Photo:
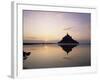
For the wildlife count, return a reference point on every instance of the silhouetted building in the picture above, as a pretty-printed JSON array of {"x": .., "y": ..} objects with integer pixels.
[{"x": 68, "y": 39}]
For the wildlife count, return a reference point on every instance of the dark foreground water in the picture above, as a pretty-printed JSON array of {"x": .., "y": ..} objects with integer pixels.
[{"x": 53, "y": 55}]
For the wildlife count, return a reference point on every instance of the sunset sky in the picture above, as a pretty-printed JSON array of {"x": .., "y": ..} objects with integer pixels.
[{"x": 47, "y": 26}]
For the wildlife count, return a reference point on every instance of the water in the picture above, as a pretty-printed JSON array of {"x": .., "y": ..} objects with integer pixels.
[{"x": 53, "y": 56}]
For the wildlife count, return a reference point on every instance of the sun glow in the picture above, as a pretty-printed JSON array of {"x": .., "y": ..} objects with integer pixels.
[
  {"x": 45, "y": 47},
  {"x": 46, "y": 40}
]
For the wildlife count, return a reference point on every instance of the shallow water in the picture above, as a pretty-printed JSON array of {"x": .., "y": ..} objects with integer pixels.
[{"x": 53, "y": 55}]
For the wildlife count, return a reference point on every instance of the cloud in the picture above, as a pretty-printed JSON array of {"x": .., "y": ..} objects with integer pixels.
[{"x": 68, "y": 28}]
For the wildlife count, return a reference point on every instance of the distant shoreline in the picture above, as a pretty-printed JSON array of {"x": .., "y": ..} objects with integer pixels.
[
  {"x": 37, "y": 43},
  {"x": 57, "y": 43}
]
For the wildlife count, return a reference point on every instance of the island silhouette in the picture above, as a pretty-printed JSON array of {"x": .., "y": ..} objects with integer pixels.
[
  {"x": 67, "y": 39},
  {"x": 67, "y": 43}
]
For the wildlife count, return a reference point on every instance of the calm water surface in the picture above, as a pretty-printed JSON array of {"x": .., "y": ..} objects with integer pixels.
[{"x": 53, "y": 55}]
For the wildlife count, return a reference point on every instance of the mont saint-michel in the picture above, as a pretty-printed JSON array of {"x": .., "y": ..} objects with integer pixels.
[{"x": 46, "y": 44}]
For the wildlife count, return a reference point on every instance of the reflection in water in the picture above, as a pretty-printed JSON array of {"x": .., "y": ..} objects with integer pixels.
[
  {"x": 68, "y": 48},
  {"x": 52, "y": 56}
]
